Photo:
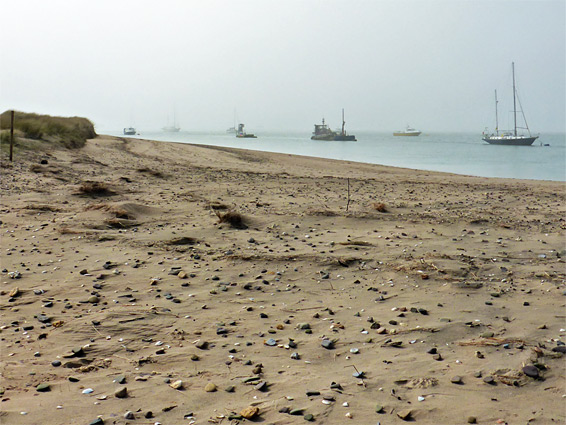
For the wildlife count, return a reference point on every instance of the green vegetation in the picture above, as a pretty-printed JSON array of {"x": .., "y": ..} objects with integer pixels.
[{"x": 44, "y": 130}]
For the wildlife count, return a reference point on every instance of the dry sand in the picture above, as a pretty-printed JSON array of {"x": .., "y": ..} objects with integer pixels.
[{"x": 143, "y": 284}]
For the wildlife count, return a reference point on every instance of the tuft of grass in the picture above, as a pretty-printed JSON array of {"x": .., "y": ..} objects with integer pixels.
[
  {"x": 379, "y": 207},
  {"x": 234, "y": 219},
  {"x": 154, "y": 173},
  {"x": 92, "y": 188},
  {"x": 71, "y": 132}
]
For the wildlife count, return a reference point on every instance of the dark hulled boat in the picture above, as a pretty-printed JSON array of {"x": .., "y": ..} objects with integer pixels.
[{"x": 323, "y": 132}]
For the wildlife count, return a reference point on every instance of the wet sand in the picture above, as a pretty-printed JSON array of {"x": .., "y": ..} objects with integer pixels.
[{"x": 138, "y": 264}]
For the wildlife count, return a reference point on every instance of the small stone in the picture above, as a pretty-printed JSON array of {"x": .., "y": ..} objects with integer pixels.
[
  {"x": 230, "y": 389},
  {"x": 14, "y": 292},
  {"x": 177, "y": 385},
  {"x": 531, "y": 371},
  {"x": 120, "y": 379},
  {"x": 56, "y": 363},
  {"x": 309, "y": 417},
  {"x": 312, "y": 393},
  {"x": 250, "y": 412},
  {"x": 328, "y": 344},
  {"x": 487, "y": 335},
  {"x": 472, "y": 420},
  {"x": 202, "y": 345},
  {"x": 296, "y": 412},
  {"x": 210, "y": 387},
  {"x": 379, "y": 409},
  {"x": 271, "y": 342},
  {"x": 261, "y": 386},
  {"x": 456, "y": 380},
  {"x": 405, "y": 414},
  {"x": 295, "y": 356},
  {"x": 489, "y": 380},
  {"x": 42, "y": 388},
  {"x": 97, "y": 421},
  {"x": 129, "y": 415},
  {"x": 559, "y": 349},
  {"x": 94, "y": 299},
  {"x": 121, "y": 392}
]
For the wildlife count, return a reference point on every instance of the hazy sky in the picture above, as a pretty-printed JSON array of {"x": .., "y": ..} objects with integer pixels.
[{"x": 284, "y": 64}]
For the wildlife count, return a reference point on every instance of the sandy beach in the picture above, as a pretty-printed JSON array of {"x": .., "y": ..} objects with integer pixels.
[{"x": 147, "y": 282}]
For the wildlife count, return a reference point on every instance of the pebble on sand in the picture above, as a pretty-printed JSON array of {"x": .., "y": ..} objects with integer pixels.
[
  {"x": 210, "y": 388},
  {"x": 121, "y": 392},
  {"x": 250, "y": 412}
]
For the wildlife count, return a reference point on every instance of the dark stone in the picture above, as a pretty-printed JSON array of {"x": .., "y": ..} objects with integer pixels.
[
  {"x": 328, "y": 344},
  {"x": 531, "y": 371}
]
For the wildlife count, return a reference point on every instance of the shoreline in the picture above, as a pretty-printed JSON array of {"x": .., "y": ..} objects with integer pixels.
[
  {"x": 381, "y": 151},
  {"x": 208, "y": 280}
]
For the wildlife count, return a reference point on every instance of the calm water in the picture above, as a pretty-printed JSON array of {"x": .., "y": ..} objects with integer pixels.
[{"x": 455, "y": 153}]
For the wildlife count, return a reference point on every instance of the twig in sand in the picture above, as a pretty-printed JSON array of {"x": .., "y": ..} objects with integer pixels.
[{"x": 493, "y": 342}]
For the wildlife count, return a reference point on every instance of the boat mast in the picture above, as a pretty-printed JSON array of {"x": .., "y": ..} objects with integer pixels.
[
  {"x": 496, "y": 116},
  {"x": 343, "y": 122},
  {"x": 514, "y": 99}
]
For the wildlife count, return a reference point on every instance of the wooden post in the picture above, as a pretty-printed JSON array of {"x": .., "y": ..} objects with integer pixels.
[
  {"x": 348, "y": 204},
  {"x": 11, "y": 135}
]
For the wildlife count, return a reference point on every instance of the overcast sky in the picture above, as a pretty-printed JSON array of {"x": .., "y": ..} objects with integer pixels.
[{"x": 284, "y": 64}]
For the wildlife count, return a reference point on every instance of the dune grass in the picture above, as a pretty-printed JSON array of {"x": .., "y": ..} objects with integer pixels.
[{"x": 35, "y": 131}]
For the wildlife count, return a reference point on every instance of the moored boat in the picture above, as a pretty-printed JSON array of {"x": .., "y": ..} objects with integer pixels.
[
  {"x": 243, "y": 135},
  {"x": 129, "y": 131},
  {"x": 343, "y": 136},
  {"x": 510, "y": 138},
  {"x": 323, "y": 132},
  {"x": 409, "y": 131}
]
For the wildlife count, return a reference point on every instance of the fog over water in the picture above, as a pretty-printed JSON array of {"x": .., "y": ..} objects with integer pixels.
[{"x": 283, "y": 65}]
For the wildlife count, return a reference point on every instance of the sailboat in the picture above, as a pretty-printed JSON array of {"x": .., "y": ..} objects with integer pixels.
[
  {"x": 233, "y": 128},
  {"x": 510, "y": 138},
  {"x": 172, "y": 128},
  {"x": 342, "y": 136}
]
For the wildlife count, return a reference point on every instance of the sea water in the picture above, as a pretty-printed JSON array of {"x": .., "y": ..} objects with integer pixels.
[{"x": 460, "y": 153}]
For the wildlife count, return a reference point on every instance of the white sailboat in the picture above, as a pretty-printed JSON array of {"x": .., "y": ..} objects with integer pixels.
[
  {"x": 510, "y": 137},
  {"x": 172, "y": 128}
]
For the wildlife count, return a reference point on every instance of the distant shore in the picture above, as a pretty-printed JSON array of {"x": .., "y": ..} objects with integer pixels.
[{"x": 149, "y": 281}]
